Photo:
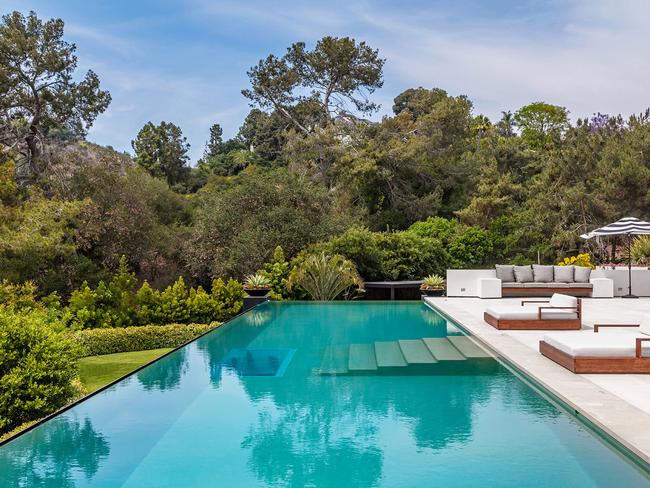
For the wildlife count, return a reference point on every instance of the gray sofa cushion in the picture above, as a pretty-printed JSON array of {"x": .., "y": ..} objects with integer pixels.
[
  {"x": 581, "y": 274},
  {"x": 545, "y": 285},
  {"x": 512, "y": 284},
  {"x": 580, "y": 285},
  {"x": 563, "y": 274},
  {"x": 505, "y": 272},
  {"x": 542, "y": 274},
  {"x": 523, "y": 274}
]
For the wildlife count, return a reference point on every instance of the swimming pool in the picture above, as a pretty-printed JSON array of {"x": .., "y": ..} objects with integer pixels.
[{"x": 318, "y": 395}]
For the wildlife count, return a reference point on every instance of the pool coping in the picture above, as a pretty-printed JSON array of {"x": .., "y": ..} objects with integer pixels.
[{"x": 607, "y": 412}]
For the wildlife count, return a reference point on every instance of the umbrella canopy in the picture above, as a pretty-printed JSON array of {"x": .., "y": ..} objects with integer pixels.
[
  {"x": 629, "y": 226},
  {"x": 625, "y": 226}
]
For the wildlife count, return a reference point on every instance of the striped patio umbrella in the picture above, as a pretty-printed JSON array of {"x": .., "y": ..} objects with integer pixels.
[{"x": 629, "y": 226}]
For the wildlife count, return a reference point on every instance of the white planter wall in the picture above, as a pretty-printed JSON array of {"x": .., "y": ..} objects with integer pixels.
[
  {"x": 464, "y": 282},
  {"x": 640, "y": 280}
]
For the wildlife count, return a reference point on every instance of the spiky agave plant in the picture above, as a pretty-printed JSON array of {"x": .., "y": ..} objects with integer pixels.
[
  {"x": 434, "y": 282},
  {"x": 325, "y": 277},
  {"x": 257, "y": 281}
]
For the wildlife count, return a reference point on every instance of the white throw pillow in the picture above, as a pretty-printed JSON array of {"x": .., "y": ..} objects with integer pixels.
[{"x": 560, "y": 300}]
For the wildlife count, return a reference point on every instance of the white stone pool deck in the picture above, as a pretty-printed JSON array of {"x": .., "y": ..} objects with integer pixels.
[{"x": 619, "y": 404}]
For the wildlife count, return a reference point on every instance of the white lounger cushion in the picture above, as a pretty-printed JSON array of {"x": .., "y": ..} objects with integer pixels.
[
  {"x": 560, "y": 300},
  {"x": 644, "y": 328},
  {"x": 583, "y": 344},
  {"x": 530, "y": 312}
]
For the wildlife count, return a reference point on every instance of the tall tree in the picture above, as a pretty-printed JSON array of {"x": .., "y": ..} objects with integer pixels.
[
  {"x": 336, "y": 73},
  {"x": 38, "y": 96},
  {"x": 540, "y": 122},
  {"x": 506, "y": 126},
  {"x": 162, "y": 151},
  {"x": 417, "y": 101},
  {"x": 264, "y": 133},
  {"x": 215, "y": 143}
]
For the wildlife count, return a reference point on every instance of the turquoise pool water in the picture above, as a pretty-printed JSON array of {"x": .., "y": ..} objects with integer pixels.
[{"x": 318, "y": 395}]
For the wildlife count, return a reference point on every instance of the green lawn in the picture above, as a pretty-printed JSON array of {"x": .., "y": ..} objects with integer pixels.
[{"x": 97, "y": 371}]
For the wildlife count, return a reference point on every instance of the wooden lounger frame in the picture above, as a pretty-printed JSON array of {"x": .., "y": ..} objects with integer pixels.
[
  {"x": 595, "y": 364},
  {"x": 540, "y": 323}
]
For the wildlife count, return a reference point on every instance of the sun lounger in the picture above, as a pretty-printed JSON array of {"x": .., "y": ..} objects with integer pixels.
[
  {"x": 561, "y": 312},
  {"x": 601, "y": 352}
]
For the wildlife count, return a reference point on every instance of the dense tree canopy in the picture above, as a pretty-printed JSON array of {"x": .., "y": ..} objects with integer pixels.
[
  {"x": 435, "y": 184},
  {"x": 539, "y": 122},
  {"x": 237, "y": 227},
  {"x": 39, "y": 100},
  {"x": 318, "y": 84},
  {"x": 162, "y": 151}
]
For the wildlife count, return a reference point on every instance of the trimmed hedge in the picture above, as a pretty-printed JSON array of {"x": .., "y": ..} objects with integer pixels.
[{"x": 139, "y": 338}]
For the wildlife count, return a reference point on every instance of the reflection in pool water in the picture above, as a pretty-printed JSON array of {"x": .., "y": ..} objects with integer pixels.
[
  {"x": 195, "y": 418},
  {"x": 56, "y": 456}
]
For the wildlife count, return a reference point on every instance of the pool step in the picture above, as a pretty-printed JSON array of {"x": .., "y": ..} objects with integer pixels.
[
  {"x": 416, "y": 352},
  {"x": 335, "y": 360},
  {"x": 468, "y": 348},
  {"x": 389, "y": 355},
  {"x": 362, "y": 357},
  {"x": 443, "y": 350},
  {"x": 398, "y": 357}
]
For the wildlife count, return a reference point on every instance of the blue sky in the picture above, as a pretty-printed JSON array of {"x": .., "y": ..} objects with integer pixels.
[{"x": 185, "y": 61}]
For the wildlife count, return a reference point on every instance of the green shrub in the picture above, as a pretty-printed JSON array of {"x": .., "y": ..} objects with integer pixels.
[
  {"x": 94, "y": 342},
  {"x": 436, "y": 228},
  {"x": 18, "y": 296},
  {"x": 361, "y": 246},
  {"x": 277, "y": 271},
  {"x": 173, "y": 303},
  {"x": 389, "y": 255},
  {"x": 177, "y": 304},
  {"x": 407, "y": 256},
  {"x": 24, "y": 296},
  {"x": 37, "y": 367},
  {"x": 229, "y": 298},
  {"x": 471, "y": 247},
  {"x": 107, "y": 305},
  {"x": 118, "y": 304}
]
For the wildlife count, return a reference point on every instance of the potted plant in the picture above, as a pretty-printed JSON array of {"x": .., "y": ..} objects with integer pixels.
[
  {"x": 433, "y": 285},
  {"x": 257, "y": 285}
]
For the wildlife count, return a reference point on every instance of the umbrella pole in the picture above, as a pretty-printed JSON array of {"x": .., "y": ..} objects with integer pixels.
[{"x": 629, "y": 268}]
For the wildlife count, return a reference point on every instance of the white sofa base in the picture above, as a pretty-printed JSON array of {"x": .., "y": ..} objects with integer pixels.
[
  {"x": 602, "y": 288},
  {"x": 489, "y": 288}
]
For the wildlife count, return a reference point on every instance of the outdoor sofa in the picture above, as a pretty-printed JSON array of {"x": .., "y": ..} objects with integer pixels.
[
  {"x": 540, "y": 280},
  {"x": 612, "y": 351},
  {"x": 561, "y": 312}
]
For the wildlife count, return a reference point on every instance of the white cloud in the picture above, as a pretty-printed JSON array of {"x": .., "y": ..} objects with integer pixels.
[
  {"x": 596, "y": 62},
  {"x": 588, "y": 55}
]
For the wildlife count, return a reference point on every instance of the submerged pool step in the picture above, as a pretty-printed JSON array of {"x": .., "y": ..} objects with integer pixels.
[
  {"x": 443, "y": 350},
  {"x": 468, "y": 348},
  {"x": 405, "y": 356},
  {"x": 362, "y": 357},
  {"x": 389, "y": 355},
  {"x": 335, "y": 360},
  {"x": 416, "y": 352}
]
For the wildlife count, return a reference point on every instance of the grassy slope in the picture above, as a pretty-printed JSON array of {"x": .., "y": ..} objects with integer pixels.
[{"x": 97, "y": 371}]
